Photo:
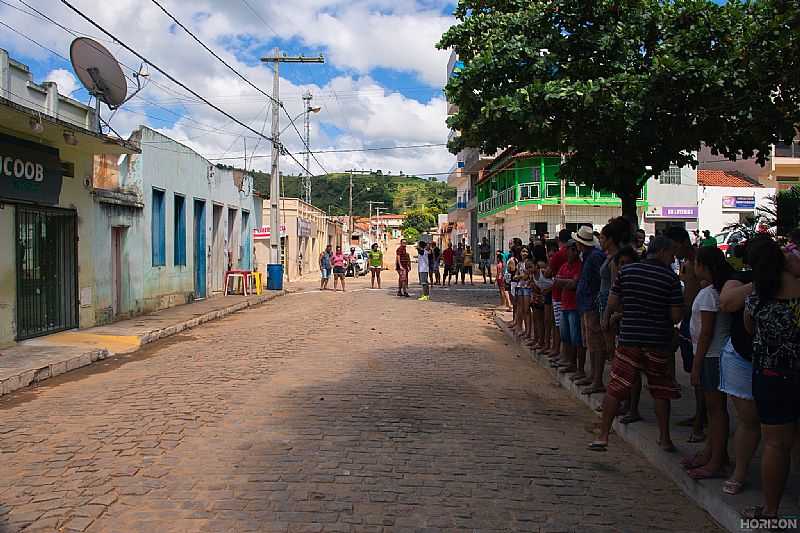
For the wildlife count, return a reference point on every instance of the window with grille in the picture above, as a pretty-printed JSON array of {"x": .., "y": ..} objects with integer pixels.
[
  {"x": 671, "y": 176},
  {"x": 528, "y": 191}
]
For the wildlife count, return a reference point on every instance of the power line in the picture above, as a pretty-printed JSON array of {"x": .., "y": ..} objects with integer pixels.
[
  {"x": 210, "y": 51},
  {"x": 247, "y": 81},
  {"x": 257, "y": 14},
  {"x": 353, "y": 150}
]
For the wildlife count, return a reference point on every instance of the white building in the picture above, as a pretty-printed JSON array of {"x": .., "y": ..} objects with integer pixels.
[
  {"x": 727, "y": 197},
  {"x": 671, "y": 201}
]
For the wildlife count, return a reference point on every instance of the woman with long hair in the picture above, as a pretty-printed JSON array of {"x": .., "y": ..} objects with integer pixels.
[
  {"x": 736, "y": 373},
  {"x": 710, "y": 330},
  {"x": 772, "y": 315},
  {"x": 524, "y": 277},
  {"x": 505, "y": 299}
]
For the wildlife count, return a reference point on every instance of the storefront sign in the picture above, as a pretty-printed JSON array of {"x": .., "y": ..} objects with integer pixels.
[
  {"x": 29, "y": 171},
  {"x": 679, "y": 212},
  {"x": 303, "y": 227},
  {"x": 264, "y": 233},
  {"x": 739, "y": 202}
]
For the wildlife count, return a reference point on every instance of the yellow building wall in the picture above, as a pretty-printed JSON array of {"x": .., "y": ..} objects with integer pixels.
[{"x": 8, "y": 279}]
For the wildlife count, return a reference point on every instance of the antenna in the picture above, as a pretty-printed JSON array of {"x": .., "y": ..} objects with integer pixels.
[{"x": 101, "y": 74}]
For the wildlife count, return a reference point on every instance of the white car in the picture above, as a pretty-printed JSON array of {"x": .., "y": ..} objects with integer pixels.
[{"x": 359, "y": 263}]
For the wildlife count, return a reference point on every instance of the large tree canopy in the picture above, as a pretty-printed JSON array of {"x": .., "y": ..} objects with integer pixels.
[{"x": 626, "y": 87}]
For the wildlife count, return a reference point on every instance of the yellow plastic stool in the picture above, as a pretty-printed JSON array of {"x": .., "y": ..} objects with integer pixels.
[{"x": 254, "y": 281}]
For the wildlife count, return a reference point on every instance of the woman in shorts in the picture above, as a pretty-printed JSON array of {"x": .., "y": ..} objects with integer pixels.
[{"x": 339, "y": 267}]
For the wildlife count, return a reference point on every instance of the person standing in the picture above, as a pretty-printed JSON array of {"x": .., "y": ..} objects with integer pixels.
[
  {"x": 467, "y": 268},
  {"x": 402, "y": 264},
  {"x": 555, "y": 263},
  {"x": 707, "y": 240},
  {"x": 639, "y": 244},
  {"x": 325, "y": 267},
  {"x": 685, "y": 252},
  {"x": 649, "y": 296},
  {"x": 710, "y": 330},
  {"x": 424, "y": 269},
  {"x": 437, "y": 259},
  {"x": 339, "y": 262},
  {"x": 588, "y": 291},
  {"x": 772, "y": 316},
  {"x": 458, "y": 259},
  {"x": 448, "y": 258},
  {"x": 505, "y": 299},
  {"x": 375, "y": 257},
  {"x": 485, "y": 257},
  {"x": 567, "y": 281}
]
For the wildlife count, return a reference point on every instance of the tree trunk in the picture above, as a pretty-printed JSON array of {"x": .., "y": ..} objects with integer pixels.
[{"x": 629, "y": 213}]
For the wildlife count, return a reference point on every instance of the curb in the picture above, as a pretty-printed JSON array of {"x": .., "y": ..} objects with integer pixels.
[
  {"x": 37, "y": 375},
  {"x": 710, "y": 500}
]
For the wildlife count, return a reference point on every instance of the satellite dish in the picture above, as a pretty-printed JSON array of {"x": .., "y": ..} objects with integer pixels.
[{"x": 98, "y": 71}]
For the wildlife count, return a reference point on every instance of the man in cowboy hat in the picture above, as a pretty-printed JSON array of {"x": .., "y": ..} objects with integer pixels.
[{"x": 588, "y": 291}]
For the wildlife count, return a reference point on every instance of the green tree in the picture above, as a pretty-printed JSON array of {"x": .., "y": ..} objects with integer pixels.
[
  {"x": 625, "y": 87},
  {"x": 419, "y": 220},
  {"x": 411, "y": 234}
]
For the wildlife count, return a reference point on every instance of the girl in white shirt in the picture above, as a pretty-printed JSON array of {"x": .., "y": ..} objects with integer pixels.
[{"x": 710, "y": 330}]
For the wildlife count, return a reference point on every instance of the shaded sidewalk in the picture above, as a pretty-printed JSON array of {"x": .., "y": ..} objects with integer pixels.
[
  {"x": 41, "y": 358},
  {"x": 643, "y": 436}
]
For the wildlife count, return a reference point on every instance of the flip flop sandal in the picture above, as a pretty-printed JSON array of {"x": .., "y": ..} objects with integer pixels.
[
  {"x": 567, "y": 370},
  {"x": 629, "y": 419},
  {"x": 696, "y": 438},
  {"x": 577, "y": 376},
  {"x": 593, "y": 390},
  {"x": 598, "y": 446},
  {"x": 686, "y": 423},
  {"x": 583, "y": 381},
  {"x": 703, "y": 473},
  {"x": 669, "y": 449},
  {"x": 732, "y": 487},
  {"x": 695, "y": 461}
]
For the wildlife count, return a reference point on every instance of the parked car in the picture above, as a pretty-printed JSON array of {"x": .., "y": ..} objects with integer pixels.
[
  {"x": 358, "y": 266},
  {"x": 727, "y": 240}
]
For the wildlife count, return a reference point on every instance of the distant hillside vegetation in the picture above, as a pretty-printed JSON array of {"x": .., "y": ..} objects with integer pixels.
[{"x": 399, "y": 193}]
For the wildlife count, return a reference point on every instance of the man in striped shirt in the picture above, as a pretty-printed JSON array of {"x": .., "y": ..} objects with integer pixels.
[{"x": 650, "y": 298}]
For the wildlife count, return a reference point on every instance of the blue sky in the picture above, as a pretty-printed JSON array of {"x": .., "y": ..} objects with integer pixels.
[{"x": 381, "y": 84}]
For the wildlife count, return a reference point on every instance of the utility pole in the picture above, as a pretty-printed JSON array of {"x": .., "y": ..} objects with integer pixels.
[
  {"x": 275, "y": 185},
  {"x": 563, "y": 197},
  {"x": 307, "y": 181},
  {"x": 350, "y": 220},
  {"x": 378, "y": 225},
  {"x": 371, "y": 203}
]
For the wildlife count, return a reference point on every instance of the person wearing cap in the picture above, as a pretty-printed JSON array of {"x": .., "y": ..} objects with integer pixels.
[
  {"x": 649, "y": 296},
  {"x": 588, "y": 290},
  {"x": 707, "y": 239}
]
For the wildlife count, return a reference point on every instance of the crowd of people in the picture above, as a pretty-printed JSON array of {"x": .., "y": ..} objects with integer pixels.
[{"x": 589, "y": 298}]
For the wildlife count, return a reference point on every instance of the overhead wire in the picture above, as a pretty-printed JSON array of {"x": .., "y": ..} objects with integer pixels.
[{"x": 240, "y": 75}]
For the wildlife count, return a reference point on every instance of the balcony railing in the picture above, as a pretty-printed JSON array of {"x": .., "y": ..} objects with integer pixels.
[
  {"x": 581, "y": 194},
  {"x": 788, "y": 150}
]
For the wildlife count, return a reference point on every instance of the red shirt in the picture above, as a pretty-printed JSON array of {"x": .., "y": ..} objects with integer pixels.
[
  {"x": 572, "y": 271},
  {"x": 447, "y": 256},
  {"x": 558, "y": 260}
]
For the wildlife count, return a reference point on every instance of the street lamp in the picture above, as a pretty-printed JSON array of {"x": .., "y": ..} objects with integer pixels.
[{"x": 308, "y": 110}]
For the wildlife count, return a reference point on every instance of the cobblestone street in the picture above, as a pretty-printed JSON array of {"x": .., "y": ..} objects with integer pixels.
[{"x": 324, "y": 412}]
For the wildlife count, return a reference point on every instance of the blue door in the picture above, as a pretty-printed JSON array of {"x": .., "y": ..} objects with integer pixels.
[{"x": 199, "y": 249}]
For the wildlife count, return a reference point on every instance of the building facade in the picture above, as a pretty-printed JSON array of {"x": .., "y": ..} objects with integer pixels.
[
  {"x": 725, "y": 198},
  {"x": 48, "y": 230},
  {"x": 781, "y": 170},
  {"x": 672, "y": 201},
  {"x": 177, "y": 221},
  {"x": 520, "y": 196},
  {"x": 305, "y": 232}
]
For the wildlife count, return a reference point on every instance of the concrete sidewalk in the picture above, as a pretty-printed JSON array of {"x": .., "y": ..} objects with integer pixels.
[
  {"x": 643, "y": 436},
  {"x": 38, "y": 359}
]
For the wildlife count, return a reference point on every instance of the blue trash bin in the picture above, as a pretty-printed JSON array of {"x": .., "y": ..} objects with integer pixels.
[{"x": 274, "y": 277}]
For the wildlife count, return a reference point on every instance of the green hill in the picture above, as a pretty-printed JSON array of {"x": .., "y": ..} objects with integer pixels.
[{"x": 399, "y": 193}]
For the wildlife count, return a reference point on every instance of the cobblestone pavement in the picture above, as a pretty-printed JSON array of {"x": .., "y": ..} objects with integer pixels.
[{"x": 323, "y": 412}]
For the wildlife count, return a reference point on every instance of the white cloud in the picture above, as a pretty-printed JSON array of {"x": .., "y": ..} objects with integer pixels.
[
  {"x": 64, "y": 79},
  {"x": 356, "y": 35}
]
